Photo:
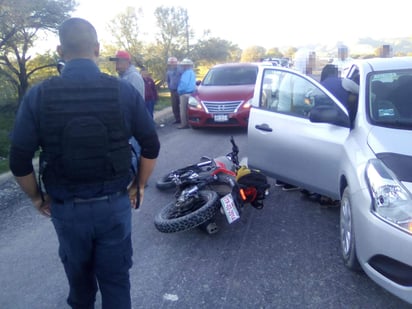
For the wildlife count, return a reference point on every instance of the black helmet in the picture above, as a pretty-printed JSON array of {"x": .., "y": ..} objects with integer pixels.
[{"x": 253, "y": 186}]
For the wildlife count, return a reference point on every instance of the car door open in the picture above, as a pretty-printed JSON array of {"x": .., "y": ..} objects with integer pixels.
[{"x": 284, "y": 143}]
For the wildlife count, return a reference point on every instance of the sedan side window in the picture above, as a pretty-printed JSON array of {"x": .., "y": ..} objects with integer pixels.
[
  {"x": 288, "y": 93},
  {"x": 269, "y": 91}
]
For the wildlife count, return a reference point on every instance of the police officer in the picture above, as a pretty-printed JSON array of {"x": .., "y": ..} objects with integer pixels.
[{"x": 82, "y": 121}]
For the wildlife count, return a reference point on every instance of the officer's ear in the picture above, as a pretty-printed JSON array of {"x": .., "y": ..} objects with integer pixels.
[
  {"x": 60, "y": 51},
  {"x": 97, "y": 50}
]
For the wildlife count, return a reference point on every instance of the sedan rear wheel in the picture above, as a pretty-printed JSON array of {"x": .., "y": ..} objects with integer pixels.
[{"x": 347, "y": 233}]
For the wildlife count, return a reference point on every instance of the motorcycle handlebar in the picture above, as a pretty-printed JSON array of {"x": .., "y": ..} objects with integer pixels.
[
  {"x": 204, "y": 163},
  {"x": 235, "y": 151},
  {"x": 235, "y": 148}
]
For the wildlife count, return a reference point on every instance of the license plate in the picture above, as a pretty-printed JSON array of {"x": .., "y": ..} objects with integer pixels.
[
  {"x": 220, "y": 118},
  {"x": 229, "y": 208}
]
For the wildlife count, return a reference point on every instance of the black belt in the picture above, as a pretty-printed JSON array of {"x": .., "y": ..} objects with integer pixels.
[{"x": 98, "y": 198}]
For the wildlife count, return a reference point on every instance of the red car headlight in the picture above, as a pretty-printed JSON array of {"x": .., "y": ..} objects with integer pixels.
[{"x": 194, "y": 103}]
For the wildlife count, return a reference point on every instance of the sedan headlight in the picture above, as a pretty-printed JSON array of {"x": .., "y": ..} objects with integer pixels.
[
  {"x": 194, "y": 103},
  {"x": 391, "y": 200},
  {"x": 248, "y": 104}
]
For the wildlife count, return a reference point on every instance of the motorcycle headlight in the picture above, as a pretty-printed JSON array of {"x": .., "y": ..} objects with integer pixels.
[{"x": 391, "y": 201}]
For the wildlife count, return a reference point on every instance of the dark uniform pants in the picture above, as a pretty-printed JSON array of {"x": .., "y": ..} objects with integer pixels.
[
  {"x": 95, "y": 249},
  {"x": 174, "y": 96}
]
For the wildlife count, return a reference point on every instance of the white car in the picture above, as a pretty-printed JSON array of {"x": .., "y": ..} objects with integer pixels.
[{"x": 299, "y": 133}]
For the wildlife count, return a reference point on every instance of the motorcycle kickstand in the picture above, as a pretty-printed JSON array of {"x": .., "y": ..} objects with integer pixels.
[{"x": 209, "y": 227}]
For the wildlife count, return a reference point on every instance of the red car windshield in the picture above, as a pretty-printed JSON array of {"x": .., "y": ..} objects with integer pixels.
[{"x": 229, "y": 76}]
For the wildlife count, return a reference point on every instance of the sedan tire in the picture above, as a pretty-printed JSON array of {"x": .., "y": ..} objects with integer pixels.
[{"x": 347, "y": 233}]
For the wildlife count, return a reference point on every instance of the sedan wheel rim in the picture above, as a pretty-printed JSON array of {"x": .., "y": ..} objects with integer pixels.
[{"x": 345, "y": 226}]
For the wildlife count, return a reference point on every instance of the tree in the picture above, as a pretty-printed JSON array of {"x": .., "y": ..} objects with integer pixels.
[
  {"x": 47, "y": 62},
  {"x": 215, "y": 50},
  {"x": 126, "y": 32},
  {"x": 254, "y": 53},
  {"x": 274, "y": 52},
  {"x": 21, "y": 23},
  {"x": 290, "y": 52},
  {"x": 155, "y": 63},
  {"x": 174, "y": 32}
]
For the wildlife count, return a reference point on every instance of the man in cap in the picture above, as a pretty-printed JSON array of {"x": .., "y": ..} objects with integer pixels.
[
  {"x": 173, "y": 78},
  {"x": 187, "y": 85},
  {"x": 127, "y": 71}
]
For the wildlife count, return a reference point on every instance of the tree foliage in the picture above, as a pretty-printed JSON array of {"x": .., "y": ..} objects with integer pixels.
[
  {"x": 22, "y": 21},
  {"x": 172, "y": 39},
  {"x": 174, "y": 33},
  {"x": 254, "y": 53},
  {"x": 125, "y": 30},
  {"x": 154, "y": 62},
  {"x": 290, "y": 52},
  {"x": 20, "y": 24},
  {"x": 215, "y": 50},
  {"x": 274, "y": 52}
]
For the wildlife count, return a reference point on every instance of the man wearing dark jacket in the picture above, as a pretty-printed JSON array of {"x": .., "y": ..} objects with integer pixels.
[
  {"x": 82, "y": 121},
  {"x": 173, "y": 78}
]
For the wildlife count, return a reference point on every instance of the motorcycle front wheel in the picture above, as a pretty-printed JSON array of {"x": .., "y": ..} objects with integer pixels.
[
  {"x": 165, "y": 182},
  {"x": 170, "y": 219}
]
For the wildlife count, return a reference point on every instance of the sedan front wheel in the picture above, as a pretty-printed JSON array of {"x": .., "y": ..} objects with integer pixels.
[{"x": 347, "y": 233}]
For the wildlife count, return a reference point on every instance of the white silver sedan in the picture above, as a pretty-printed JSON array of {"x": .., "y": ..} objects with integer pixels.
[{"x": 360, "y": 154}]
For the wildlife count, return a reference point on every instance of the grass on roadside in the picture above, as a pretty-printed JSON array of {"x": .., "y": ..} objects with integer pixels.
[
  {"x": 4, "y": 165},
  {"x": 164, "y": 99}
]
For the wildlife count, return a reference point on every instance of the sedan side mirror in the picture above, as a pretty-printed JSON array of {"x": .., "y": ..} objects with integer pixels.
[{"x": 329, "y": 114}]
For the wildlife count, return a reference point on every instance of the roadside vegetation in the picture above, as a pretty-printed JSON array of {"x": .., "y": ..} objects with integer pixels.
[
  {"x": 6, "y": 122},
  {"x": 164, "y": 99}
]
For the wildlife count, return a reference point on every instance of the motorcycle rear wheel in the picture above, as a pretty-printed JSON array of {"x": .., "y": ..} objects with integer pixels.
[{"x": 169, "y": 221}]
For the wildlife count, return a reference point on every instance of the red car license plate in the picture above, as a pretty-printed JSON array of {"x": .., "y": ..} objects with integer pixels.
[{"x": 220, "y": 118}]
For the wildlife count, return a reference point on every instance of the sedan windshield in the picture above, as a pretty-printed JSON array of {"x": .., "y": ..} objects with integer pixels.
[
  {"x": 390, "y": 99},
  {"x": 227, "y": 76}
]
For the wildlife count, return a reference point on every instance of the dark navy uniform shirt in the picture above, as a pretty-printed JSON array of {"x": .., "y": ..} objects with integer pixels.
[
  {"x": 334, "y": 85},
  {"x": 25, "y": 138}
]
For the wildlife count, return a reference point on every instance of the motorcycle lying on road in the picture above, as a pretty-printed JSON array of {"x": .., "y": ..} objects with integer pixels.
[{"x": 204, "y": 188}]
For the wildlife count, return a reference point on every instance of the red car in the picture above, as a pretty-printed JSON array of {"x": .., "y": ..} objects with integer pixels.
[{"x": 223, "y": 96}]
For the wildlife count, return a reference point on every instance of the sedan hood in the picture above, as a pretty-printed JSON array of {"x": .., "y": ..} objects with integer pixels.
[
  {"x": 386, "y": 140},
  {"x": 394, "y": 148},
  {"x": 225, "y": 93}
]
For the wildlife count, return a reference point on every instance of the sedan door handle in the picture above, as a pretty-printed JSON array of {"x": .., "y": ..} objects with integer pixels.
[{"x": 263, "y": 127}]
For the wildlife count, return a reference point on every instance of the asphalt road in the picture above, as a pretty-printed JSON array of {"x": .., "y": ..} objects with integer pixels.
[{"x": 283, "y": 256}]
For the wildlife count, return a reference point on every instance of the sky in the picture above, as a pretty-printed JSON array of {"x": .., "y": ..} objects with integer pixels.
[{"x": 270, "y": 23}]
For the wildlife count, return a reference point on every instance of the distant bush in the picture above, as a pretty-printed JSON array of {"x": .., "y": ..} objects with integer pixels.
[{"x": 7, "y": 114}]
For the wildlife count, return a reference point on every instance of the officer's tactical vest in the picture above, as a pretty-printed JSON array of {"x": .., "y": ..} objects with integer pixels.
[{"x": 83, "y": 136}]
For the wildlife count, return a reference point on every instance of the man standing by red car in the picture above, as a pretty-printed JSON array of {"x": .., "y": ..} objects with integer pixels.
[
  {"x": 173, "y": 78},
  {"x": 187, "y": 85}
]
